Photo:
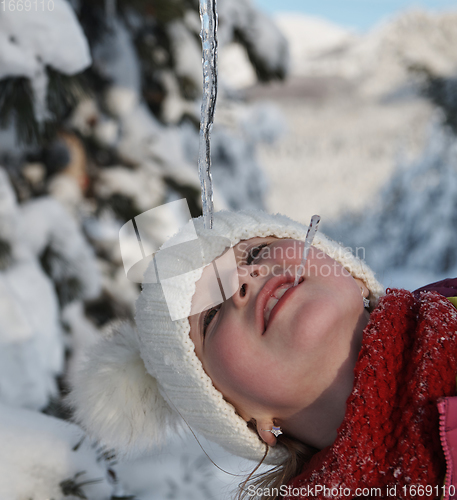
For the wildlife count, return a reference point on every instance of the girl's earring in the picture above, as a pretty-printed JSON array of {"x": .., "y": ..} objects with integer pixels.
[
  {"x": 276, "y": 431},
  {"x": 366, "y": 302}
]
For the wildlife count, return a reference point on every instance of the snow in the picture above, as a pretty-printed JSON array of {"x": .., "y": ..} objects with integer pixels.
[
  {"x": 175, "y": 106},
  {"x": 187, "y": 52},
  {"x": 267, "y": 45},
  {"x": 106, "y": 131},
  {"x": 115, "y": 58},
  {"x": 183, "y": 471},
  {"x": 45, "y": 222},
  {"x": 343, "y": 144},
  {"x": 412, "y": 225},
  {"x": 32, "y": 344},
  {"x": 83, "y": 335},
  {"x": 238, "y": 178},
  {"x": 67, "y": 192},
  {"x": 31, "y": 40},
  {"x": 31, "y": 353},
  {"x": 234, "y": 67},
  {"x": 38, "y": 453},
  {"x": 145, "y": 190},
  {"x": 379, "y": 59},
  {"x": 310, "y": 36},
  {"x": 29, "y": 361}
]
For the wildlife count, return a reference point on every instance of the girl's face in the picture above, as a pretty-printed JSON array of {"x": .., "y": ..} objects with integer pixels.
[{"x": 276, "y": 351}]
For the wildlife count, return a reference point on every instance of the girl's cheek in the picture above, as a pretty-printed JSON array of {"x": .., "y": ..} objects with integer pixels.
[{"x": 230, "y": 361}]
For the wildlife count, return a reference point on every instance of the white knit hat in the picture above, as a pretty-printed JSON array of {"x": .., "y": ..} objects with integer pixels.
[{"x": 138, "y": 384}]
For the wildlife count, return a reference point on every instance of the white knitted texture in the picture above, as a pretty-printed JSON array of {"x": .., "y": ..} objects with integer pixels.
[{"x": 167, "y": 350}]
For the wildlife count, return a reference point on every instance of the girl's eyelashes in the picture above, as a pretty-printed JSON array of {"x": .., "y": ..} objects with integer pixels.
[
  {"x": 209, "y": 316},
  {"x": 254, "y": 253}
]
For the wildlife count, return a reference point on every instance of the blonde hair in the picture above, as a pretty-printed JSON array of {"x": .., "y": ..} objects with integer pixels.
[{"x": 298, "y": 455}]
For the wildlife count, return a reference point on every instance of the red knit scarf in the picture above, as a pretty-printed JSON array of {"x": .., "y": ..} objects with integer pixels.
[{"x": 389, "y": 436}]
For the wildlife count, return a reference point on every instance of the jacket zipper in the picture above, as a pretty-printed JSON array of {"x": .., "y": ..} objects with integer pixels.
[{"x": 442, "y": 407}]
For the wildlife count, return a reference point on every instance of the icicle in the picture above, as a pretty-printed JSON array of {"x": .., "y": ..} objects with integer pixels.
[
  {"x": 208, "y": 16},
  {"x": 110, "y": 11},
  {"x": 312, "y": 229}
]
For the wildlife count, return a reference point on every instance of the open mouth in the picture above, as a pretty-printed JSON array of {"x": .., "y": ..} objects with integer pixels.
[{"x": 274, "y": 298}]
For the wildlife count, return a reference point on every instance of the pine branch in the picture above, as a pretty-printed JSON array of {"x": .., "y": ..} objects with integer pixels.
[
  {"x": 93, "y": 18},
  {"x": 17, "y": 105},
  {"x": 163, "y": 11},
  {"x": 68, "y": 286},
  {"x": 71, "y": 487},
  {"x": 122, "y": 206},
  {"x": 6, "y": 258},
  {"x": 64, "y": 92},
  {"x": 106, "y": 308},
  {"x": 263, "y": 71},
  {"x": 441, "y": 91},
  {"x": 191, "y": 194}
]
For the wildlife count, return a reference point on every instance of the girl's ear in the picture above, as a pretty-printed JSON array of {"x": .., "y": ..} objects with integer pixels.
[{"x": 263, "y": 429}]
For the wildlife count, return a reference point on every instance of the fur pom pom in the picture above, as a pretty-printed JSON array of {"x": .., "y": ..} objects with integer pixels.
[{"x": 116, "y": 400}]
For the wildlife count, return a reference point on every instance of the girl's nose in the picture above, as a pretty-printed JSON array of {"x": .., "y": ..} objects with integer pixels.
[{"x": 250, "y": 282}]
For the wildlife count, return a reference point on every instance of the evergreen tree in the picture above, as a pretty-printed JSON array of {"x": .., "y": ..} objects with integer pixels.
[{"x": 106, "y": 120}]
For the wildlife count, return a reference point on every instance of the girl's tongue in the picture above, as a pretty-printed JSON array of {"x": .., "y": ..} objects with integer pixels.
[{"x": 274, "y": 299}]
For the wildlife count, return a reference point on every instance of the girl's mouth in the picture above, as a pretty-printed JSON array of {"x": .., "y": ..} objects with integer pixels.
[{"x": 275, "y": 297}]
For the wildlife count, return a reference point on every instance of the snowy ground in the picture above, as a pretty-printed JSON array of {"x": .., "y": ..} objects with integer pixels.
[{"x": 182, "y": 471}]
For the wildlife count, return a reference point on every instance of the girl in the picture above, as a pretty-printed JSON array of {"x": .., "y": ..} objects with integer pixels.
[{"x": 350, "y": 397}]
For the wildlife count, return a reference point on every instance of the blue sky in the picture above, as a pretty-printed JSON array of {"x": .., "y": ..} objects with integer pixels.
[{"x": 358, "y": 14}]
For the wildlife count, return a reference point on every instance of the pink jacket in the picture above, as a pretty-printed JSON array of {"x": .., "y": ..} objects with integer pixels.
[{"x": 447, "y": 407}]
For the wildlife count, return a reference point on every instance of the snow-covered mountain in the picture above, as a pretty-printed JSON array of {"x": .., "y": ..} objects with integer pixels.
[
  {"x": 380, "y": 57},
  {"x": 310, "y": 37},
  {"x": 353, "y": 107}
]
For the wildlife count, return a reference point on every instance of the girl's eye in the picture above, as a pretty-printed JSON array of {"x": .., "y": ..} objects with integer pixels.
[
  {"x": 254, "y": 253},
  {"x": 209, "y": 316}
]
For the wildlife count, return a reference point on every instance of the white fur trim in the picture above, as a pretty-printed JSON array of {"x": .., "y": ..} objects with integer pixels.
[{"x": 116, "y": 400}]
